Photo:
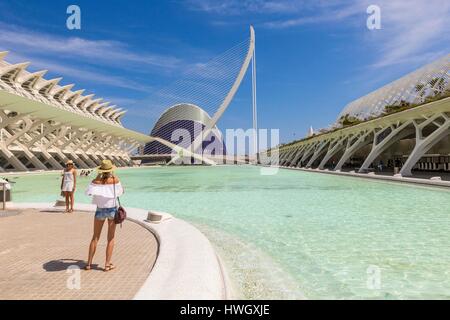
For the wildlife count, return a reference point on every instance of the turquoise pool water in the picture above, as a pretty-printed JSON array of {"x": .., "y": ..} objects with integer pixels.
[{"x": 298, "y": 233}]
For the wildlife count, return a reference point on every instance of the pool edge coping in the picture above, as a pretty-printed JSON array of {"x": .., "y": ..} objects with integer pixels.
[{"x": 441, "y": 184}]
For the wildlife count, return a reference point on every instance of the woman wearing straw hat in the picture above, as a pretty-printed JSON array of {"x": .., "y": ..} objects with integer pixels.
[
  {"x": 104, "y": 189},
  {"x": 68, "y": 184}
]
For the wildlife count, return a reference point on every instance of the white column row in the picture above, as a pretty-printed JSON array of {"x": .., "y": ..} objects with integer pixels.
[
  {"x": 35, "y": 144},
  {"x": 425, "y": 130}
]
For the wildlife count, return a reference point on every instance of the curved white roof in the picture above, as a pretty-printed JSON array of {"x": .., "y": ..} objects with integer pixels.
[
  {"x": 15, "y": 79},
  {"x": 413, "y": 88},
  {"x": 182, "y": 111}
]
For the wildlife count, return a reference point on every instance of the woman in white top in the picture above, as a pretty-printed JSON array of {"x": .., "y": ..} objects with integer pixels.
[
  {"x": 68, "y": 184},
  {"x": 104, "y": 191}
]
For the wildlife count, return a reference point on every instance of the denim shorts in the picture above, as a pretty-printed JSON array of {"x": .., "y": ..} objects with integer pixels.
[{"x": 105, "y": 213}]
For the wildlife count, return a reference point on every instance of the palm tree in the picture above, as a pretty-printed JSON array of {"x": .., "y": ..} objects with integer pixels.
[
  {"x": 420, "y": 89},
  {"x": 438, "y": 83}
]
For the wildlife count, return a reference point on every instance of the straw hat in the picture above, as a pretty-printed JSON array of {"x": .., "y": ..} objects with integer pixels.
[
  {"x": 106, "y": 166},
  {"x": 69, "y": 162}
]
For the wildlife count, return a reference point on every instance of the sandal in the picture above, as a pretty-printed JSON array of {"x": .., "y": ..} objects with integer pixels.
[
  {"x": 109, "y": 267},
  {"x": 87, "y": 267}
]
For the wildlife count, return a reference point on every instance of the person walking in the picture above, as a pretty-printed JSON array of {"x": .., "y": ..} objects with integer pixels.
[{"x": 104, "y": 189}]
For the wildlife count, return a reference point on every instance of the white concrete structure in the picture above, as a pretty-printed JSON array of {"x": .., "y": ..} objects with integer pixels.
[
  {"x": 412, "y": 88},
  {"x": 210, "y": 123},
  {"x": 43, "y": 124},
  {"x": 186, "y": 121},
  {"x": 405, "y": 123}
]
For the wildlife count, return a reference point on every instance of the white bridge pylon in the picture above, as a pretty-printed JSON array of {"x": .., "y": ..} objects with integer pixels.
[{"x": 211, "y": 124}]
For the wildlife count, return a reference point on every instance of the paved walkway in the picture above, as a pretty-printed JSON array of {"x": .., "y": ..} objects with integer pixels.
[{"x": 36, "y": 248}]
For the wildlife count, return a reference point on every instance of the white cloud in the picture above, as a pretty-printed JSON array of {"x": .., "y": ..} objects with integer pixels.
[
  {"x": 79, "y": 59},
  {"x": 238, "y": 7},
  {"x": 104, "y": 51},
  {"x": 412, "y": 31},
  {"x": 324, "y": 14}
]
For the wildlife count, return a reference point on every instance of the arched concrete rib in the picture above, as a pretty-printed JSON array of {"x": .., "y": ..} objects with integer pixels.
[
  {"x": 319, "y": 149},
  {"x": 292, "y": 157},
  {"x": 226, "y": 102},
  {"x": 286, "y": 157},
  {"x": 297, "y": 156},
  {"x": 353, "y": 145},
  {"x": 332, "y": 150},
  {"x": 395, "y": 135},
  {"x": 308, "y": 152},
  {"x": 423, "y": 144}
]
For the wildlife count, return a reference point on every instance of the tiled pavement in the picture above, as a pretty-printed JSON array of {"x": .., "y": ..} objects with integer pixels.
[{"x": 36, "y": 248}]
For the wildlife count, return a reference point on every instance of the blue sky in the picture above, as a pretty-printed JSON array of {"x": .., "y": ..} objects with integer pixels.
[{"x": 313, "y": 57}]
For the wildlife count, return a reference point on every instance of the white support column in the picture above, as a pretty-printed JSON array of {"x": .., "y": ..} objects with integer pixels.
[
  {"x": 30, "y": 156},
  {"x": 48, "y": 129},
  {"x": 80, "y": 163},
  {"x": 283, "y": 156},
  {"x": 113, "y": 148},
  {"x": 97, "y": 144},
  {"x": 80, "y": 148},
  {"x": 30, "y": 126},
  {"x": 297, "y": 156},
  {"x": 271, "y": 159},
  {"x": 125, "y": 155},
  {"x": 14, "y": 139},
  {"x": 117, "y": 151},
  {"x": 255, "y": 111},
  {"x": 86, "y": 162},
  {"x": 318, "y": 151},
  {"x": 287, "y": 156},
  {"x": 423, "y": 144},
  {"x": 73, "y": 136},
  {"x": 397, "y": 133},
  {"x": 12, "y": 159},
  {"x": 102, "y": 143},
  {"x": 9, "y": 156},
  {"x": 104, "y": 146},
  {"x": 306, "y": 154},
  {"x": 353, "y": 145},
  {"x": 51, "y": 143},
  {"x": 111, "y": 151},
  {"x": 334, "y": 147}
]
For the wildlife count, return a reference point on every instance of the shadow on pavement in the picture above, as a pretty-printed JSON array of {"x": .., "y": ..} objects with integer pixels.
[{"x": 64, "y": 264}]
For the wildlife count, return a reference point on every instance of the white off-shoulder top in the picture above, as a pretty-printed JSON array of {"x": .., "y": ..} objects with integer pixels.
[{"x": 103, "y": 194}]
